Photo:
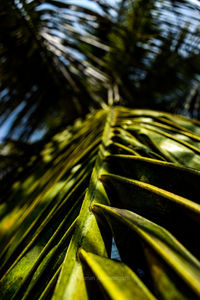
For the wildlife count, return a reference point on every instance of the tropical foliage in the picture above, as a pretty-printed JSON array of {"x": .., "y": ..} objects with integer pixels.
[
  {"x": 122, "y": 177},
  {"x": 60, "y": 59},
  {"x": 104, "y": 205}
]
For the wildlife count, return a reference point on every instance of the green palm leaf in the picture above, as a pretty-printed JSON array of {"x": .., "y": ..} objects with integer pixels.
[{"x": 122, "y": 174}]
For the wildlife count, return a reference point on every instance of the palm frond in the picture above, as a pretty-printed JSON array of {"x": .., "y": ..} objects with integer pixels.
[
  {"x": 58, "y": 60},
  {"x": 122, "y": 174},
  {"x": 44, "y": 71},
  {"x": 154, "y": 53}
]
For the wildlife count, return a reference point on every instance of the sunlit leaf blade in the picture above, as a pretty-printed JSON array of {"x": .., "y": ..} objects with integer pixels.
[
  {"x": 160, "y": 241},
  {"x": 48, "y": 224},
  {"x": 115, "y": 277},
  {"x": 162, "y": 174},
  {"x": 88, "y": 235}
]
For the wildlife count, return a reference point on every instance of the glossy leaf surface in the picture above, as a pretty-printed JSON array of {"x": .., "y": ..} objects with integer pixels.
[{"x": 122, "y": 174}]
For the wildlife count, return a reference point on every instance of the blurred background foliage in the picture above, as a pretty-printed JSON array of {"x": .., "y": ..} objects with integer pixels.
[{"x": 60, "y": 60}]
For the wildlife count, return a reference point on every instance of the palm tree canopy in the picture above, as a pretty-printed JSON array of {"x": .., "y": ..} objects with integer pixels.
[{"x": 59, "y": 59}]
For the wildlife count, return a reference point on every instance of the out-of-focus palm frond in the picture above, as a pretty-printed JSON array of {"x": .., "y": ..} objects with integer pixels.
[
  {"x": 44, "y": 74},
  {"x": 59, "y": 59},
  {"x": 154, "y": 53}
]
